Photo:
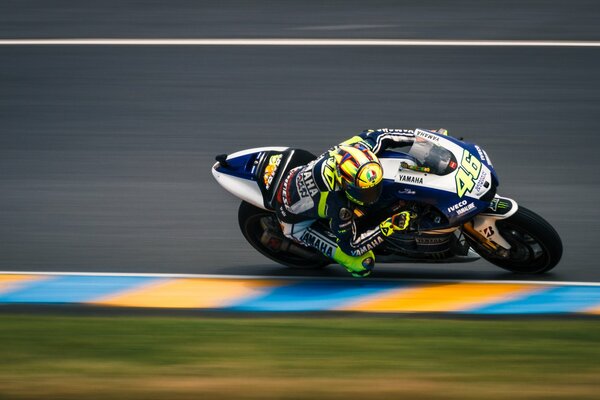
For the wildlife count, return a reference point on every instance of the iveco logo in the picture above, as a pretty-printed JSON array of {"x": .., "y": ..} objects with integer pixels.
[{"x": 457, "y": 206}]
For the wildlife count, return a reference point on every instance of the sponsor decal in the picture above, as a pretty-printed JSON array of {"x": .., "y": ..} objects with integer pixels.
[
  {"x": 301, "y": 187},
  {"x": 453, "y": 165},
  {"x": 286, "y": 186},
  {"x": 432, "y": 241},
  {"x": 391, "y": 130},
  {"x": 307, "y": 184},
  {"x": 487, "y": 157},
  {"x": 457, "y": 206},
  {"x": 465, "y": 209},
  {"x": 498, "y": 204},
  {"x": 481, "y": 183},
  {"x": 407, "y": 191},
  {"x": 441, "y": 242},
  {"x": 369, "y": 246},
  {"x": 427, "y": 135},
  {"x": 320, "y": 243},
  {"x": 469, "y": 171},
  {"x": 503, "y": 204},
  {"x": 409, "y": 179},
  {"x": 271, "y": 169},
  {"x": 489, "y": 231},
  {"x": 481, "y": 153}
]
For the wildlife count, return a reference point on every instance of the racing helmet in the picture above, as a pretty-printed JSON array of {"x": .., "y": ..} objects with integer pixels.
[{"x": 359, "y": 173}]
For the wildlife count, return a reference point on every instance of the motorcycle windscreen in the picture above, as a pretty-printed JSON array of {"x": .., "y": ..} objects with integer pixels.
[{"x": 440, "y": 160}]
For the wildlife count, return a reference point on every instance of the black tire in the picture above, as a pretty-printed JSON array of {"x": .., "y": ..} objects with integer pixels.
[
  {"x": 536, "y": 247},
  {"x": 249, "y": 218}
]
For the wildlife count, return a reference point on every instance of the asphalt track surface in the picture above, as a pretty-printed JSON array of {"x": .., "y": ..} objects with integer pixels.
[{"x": 105, "y": 152}]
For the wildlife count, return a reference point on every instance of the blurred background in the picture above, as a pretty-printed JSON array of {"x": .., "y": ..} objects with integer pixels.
[{"x": 105, "y": 151}]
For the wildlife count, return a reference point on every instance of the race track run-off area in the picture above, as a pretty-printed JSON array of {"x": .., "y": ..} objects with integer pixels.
[{"x": 259, "y": 294}]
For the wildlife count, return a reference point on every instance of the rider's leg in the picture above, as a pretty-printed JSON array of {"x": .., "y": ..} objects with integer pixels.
[
  {"x": 304, "y": 232},
  {"x": 358, "y": 266}
]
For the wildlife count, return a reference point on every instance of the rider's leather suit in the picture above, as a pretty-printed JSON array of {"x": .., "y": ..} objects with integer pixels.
[{"x": 313, "y": 192}]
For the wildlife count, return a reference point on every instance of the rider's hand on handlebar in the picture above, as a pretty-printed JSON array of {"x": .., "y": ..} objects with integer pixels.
[{"x": 397, "y": 222}]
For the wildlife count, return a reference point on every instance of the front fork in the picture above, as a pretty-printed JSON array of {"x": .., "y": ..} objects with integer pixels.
[{"x": 483, "y": 229}]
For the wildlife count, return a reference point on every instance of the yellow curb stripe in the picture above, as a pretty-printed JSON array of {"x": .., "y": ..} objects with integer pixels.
[
  {"x": 189, "y": 293},
  {"x": 10, "y": 282},
  {"x": 442, "y": 297}
]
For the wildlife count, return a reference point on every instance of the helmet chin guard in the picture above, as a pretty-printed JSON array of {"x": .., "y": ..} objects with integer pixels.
[{"x": 364, "y": 197}]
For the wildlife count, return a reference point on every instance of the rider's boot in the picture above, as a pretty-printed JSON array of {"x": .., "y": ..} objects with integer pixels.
[{"x": 358, "y": 266}]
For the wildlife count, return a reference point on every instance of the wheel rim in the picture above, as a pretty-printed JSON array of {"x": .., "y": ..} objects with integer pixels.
[{"x": 526, "y": 250}]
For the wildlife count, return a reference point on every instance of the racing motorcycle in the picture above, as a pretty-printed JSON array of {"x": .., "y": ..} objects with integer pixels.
[{"x": 450, "y": 185}]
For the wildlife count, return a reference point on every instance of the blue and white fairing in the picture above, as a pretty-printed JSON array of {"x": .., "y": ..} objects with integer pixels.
[
  {"x": 454, "y": 176},
  {"x": 239, "y": 176}
]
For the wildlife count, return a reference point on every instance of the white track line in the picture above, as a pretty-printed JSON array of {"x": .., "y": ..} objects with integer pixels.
[
  {"x": 294, "y": 42},
  {"x": 295, "y": 278}
]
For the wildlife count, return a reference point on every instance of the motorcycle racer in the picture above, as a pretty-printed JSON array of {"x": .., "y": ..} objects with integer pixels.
[{"x": 337, "y": 186}]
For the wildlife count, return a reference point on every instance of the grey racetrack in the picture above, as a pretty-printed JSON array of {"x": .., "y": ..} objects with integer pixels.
[{"x": 105, "y": 152}]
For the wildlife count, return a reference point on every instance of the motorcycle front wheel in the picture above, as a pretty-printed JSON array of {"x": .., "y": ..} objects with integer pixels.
[
  {"x": 536, "y": 247},
  {"x": 261, "y": 229}
]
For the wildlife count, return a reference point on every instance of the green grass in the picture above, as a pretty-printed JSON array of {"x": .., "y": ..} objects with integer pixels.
[{"x": 294, "y": 358}]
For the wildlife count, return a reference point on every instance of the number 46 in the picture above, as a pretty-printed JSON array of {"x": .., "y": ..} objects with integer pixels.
[{"x": 469, "y": 170}]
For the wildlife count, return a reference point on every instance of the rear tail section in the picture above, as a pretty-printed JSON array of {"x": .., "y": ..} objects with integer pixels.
[{"x": 254, "y": 175}]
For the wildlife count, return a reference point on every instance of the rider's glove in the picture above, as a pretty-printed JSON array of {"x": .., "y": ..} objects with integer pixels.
[{"x": 397, "y": 222}]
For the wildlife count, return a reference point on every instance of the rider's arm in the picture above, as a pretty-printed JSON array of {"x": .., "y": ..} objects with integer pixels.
[
  {"x": 333, "y": 206},
  {"x": 358, "y": 243},
  {"x": 381, "y": 139}
]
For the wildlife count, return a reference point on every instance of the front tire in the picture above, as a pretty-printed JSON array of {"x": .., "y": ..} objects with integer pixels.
[
  {"x": 252, "y": 221},
  {"x": 536, "y": 247}
]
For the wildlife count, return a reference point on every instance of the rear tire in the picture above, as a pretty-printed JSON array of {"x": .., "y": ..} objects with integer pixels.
[
  {"x": 536, "y": 247},
  {"x": 249, "y": 219}
]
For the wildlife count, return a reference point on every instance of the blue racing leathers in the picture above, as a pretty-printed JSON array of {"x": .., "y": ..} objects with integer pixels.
[{"x": 312, "y": 192}]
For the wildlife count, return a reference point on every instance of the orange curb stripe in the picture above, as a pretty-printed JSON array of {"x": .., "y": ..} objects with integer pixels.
[
  {"x": 442, "y": 297},
  {"x": 593, "y": 310},
  {"x": 10, "y": 282},
  {"x": 189, "y": 293}
]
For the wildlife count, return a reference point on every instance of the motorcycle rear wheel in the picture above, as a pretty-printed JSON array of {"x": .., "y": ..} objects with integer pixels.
[
  {"x": 536, "y": 247},
  {"x": 249, "y": 219}
]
